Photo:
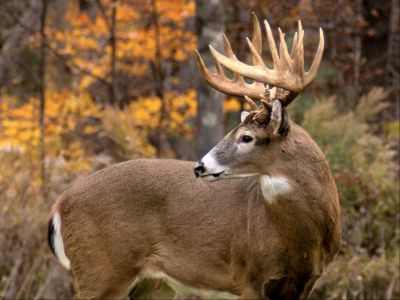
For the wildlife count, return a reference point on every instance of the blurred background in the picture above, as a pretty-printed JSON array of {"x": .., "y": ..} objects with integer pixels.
[{"x": 85, "y": 84}]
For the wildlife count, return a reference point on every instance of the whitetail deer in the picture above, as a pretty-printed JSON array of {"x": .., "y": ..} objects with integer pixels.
[{"x": 269, "y": 234}]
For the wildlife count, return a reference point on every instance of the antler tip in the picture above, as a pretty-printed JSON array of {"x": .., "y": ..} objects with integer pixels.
[
  {"x": 299, "y": 26},
  {"x": 227, "y": 45},
  {"x": 321, "y": 32},
  {"x": 254, "y": 18},
  {"x": 321, "y": 38},
  {"x": 198, "y": 57},
  {"x": 201, "y": 65},
  {"x": 212, "y": 49}
]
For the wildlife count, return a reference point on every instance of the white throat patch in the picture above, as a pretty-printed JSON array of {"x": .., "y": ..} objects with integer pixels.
[{"x": 273, "y": 186}]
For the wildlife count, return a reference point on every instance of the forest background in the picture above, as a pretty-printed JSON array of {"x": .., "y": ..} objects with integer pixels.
[{"x": 85, "y": 84}]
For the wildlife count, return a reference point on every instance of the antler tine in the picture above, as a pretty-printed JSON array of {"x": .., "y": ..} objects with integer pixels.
[
  {"x": 252, "y": 104},
  {"x": 310, "y": 75},
  {"x": 227, "y": 46},
  {"x": 257, "y": 59},
  {"x": 285, "y": 60},
  {"x": 256, "y": 38},
  {"x": 218, "y": 67},
  {"x": 272, "y": 46},
  {"x": 202, "y": 68},
  {"x": 294, "y": 45},
  {"x": 229, "y": 52},
  {"x": 298, "y": 57}
]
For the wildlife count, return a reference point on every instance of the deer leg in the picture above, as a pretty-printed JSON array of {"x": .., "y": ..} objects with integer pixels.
[
  {"x": 308, "y": 287},
  {"x": 110, "y": 278},
  {"x": 105, "y": 287},
  {"x": 289, "y": 288}
]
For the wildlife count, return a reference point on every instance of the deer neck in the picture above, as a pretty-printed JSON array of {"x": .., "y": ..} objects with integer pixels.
[{"x": 303, "y": 207}]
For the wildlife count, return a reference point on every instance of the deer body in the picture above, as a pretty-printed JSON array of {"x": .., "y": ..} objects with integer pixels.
[
  {"x": 267, "y": 231},
  {"x": 154, "y": 218}
]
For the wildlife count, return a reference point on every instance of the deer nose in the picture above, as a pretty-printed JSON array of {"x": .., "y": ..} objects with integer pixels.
[{"x": 199, "y": 169}]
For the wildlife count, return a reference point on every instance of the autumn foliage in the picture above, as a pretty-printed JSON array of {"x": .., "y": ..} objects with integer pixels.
[{"x": 120, "y": 84}]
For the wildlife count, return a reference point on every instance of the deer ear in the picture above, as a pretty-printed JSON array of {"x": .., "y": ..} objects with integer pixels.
[
  {"x": 243, "y": 115},
  {"x": 279, "y": 123}
]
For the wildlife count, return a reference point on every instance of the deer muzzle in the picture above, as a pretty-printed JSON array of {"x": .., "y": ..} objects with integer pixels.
[
  {"x": 199, "y": 169},
  {"x": 208, "y": 172}
]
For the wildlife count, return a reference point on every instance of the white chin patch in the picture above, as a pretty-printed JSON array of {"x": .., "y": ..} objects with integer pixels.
[
  {"x": 211, "y": 178},
  {"x": 243, "y": 175},
  {"x": 274, "y": 186}
]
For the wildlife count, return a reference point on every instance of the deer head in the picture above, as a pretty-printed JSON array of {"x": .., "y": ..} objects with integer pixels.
[{"x": 264, "y": 131}]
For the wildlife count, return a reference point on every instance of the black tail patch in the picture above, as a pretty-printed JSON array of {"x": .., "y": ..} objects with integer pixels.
[{"x": 50, "y": 235}]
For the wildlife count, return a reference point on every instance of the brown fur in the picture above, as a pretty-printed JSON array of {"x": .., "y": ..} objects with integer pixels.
[{"x": 154, "y": 215}]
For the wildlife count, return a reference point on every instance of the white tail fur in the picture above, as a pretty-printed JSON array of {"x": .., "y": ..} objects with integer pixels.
[{"x": 58, "y": 242}]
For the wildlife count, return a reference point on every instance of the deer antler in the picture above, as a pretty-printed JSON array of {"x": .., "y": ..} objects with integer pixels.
[{"x": 287, "y": 75}]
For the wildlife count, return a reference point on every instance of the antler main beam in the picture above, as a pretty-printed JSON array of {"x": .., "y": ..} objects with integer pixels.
[{"x": 287, "y": 74}]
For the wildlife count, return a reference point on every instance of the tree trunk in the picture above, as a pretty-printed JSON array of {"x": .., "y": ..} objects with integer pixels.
[
  {"x": 239, "y": 36},
  {"x": 161, "y": 139},
  {"x": 210, "y": 117},
  {"x": 42, "y": 97},
  {"x": 113, "y": 84},
  {"x": 393, "y": 61},
  {"x": 357, "y": 45},
  {"x": 12, "y": 45}
]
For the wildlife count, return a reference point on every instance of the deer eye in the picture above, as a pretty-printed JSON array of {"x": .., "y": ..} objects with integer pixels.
[{"x": 246, "y": 139}]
